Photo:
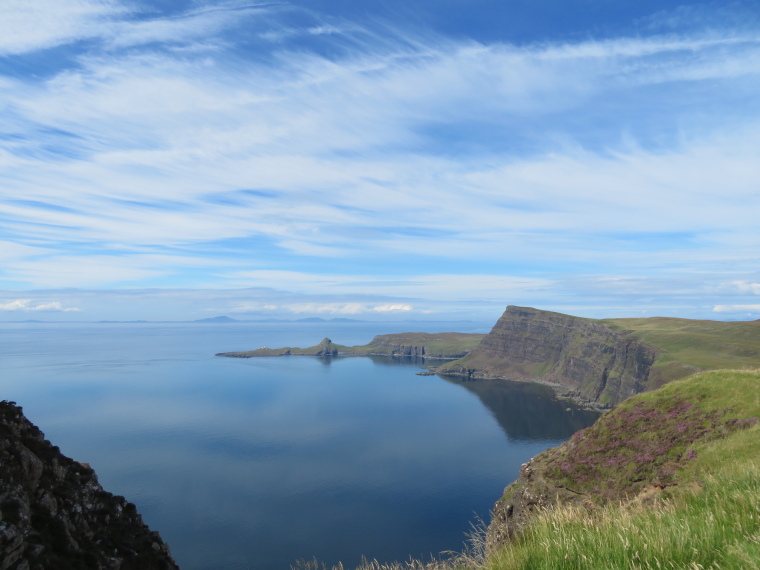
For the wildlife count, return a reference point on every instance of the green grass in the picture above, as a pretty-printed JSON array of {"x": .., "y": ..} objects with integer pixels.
[
  {"x": 714, "y": 526},
  {"x": 687, "y": 346},
  {"x": 707, "y": 516}
]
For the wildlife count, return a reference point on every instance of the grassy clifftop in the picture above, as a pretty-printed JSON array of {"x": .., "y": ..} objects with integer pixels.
[
  {"x": 603, "y": 362},
  {"x": 668, "y": 479},
  {"x": 686, "y": 345}
]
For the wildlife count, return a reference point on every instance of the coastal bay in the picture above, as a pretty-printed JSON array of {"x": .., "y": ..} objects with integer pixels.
[{"x": 254, "y": 463}]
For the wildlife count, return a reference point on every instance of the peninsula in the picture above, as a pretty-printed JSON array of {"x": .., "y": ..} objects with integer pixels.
[
  {"x": 440, "y": 346},
  {"x": 599, "y": 362}
]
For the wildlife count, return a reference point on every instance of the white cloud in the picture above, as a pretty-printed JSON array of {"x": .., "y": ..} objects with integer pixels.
[
  {"x": 184, "y": 131},
  {"x": 328, "y": 308},
  {"x": 748, "y": 287},
  {"x": 392, "y": 307},
  {"x": 736, "y": 308},
  {"x": 353, "y": 308},
  {"x": 29, "y": 26},
  {"x": 10, "y": 250},
  {"x": 25, "y": 305}
]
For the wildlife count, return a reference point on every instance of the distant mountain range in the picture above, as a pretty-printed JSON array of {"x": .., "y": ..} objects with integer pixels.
[{"x": 226, "y": 319}]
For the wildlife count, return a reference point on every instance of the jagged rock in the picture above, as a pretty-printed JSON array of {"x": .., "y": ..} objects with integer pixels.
[
  {"x": 591, "y": 361},
  {"x": 55, "y": 515}
]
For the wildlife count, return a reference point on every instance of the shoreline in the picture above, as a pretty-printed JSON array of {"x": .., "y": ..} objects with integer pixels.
[{"x": 561, "y": 391}]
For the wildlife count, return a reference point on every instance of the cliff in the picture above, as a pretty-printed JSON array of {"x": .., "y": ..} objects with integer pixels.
[
  {"x": 589, "y": 359},
  {"x": 675, "y": 468},
  {"x": 55, "y": 514},
  {"x": 436, "y": 345}
]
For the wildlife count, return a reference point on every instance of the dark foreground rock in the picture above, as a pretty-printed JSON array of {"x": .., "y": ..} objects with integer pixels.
[{"x": 55, "y": 515}]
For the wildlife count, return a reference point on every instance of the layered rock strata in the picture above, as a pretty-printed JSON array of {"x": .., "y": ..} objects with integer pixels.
[
  {"x": 591, "y": 361},
  {"x": 55, "y": 515}
]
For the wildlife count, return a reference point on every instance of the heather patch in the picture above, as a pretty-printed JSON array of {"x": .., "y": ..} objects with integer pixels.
[{"x": 641, "y": 445}]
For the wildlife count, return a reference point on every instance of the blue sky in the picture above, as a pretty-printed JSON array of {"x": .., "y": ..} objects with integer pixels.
[{"x": 378, "y": 160}]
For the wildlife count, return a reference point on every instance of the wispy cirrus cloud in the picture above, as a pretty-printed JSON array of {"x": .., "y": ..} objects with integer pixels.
[
  {"x": 31, "y": 26},
  {"x": 160, "y": 152}
]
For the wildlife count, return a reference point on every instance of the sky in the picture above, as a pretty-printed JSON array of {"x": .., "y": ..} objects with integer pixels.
[{"x": 379, "y": 160}]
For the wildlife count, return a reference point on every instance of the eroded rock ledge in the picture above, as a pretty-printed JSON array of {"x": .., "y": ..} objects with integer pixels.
[{"x": 55, "y": 515}]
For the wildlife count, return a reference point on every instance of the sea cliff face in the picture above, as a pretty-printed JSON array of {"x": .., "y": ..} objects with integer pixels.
[
  {"x": 590, "y": 360},
  {"x": 55, "y": 514}
]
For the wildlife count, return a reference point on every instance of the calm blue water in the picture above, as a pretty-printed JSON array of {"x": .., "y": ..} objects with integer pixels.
[{"x": 255, "y": 463}]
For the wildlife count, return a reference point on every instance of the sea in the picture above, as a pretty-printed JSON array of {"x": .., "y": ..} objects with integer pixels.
[{"x": 259, "y": 463}]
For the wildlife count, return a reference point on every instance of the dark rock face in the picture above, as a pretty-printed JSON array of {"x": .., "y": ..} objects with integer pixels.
[
  {"x": 393, "y": 349},
  {"x": 593, "y": 362},
  {"x": 529, "y": 494},
  {"x": 55, "y": 515},
  {"x": 326, "y": 348}
]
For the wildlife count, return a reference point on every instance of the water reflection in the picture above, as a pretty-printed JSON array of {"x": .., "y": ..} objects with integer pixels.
[
  {"x": 249, "y": 464},
  {"x": 527, "y": 411},
  {"x": 402, "y": 361}
]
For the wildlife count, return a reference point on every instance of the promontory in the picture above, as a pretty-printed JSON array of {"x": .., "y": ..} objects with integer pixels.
[{"x": 597, "y": 361}]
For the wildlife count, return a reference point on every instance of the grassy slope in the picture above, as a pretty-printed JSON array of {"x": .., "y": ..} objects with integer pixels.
[
  {"x": 708, "y": 515},
  {"x": 689, "y": 345}
]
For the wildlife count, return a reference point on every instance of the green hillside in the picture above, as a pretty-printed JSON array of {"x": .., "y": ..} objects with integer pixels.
[
  {"x": 697, "y": 505},
  {"x": 686, "y": 346}
]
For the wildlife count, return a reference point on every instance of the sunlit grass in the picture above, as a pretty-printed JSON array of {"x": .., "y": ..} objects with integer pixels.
[{"x": 714, "y": 526}]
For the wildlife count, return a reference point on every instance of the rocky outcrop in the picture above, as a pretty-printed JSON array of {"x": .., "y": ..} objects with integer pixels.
[
  {"x": 55, "y": 515},
  {"x": 382, "y": 348},
  {"x": 444, "y": 346},
  {"x": 590, "y": 360}
]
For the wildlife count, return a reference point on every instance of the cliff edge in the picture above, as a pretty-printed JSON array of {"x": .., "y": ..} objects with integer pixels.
[
  {"x": 592, "y": 361},
  {"x": 667, "y": 479},
  {"x": 55, "y": 514}
]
